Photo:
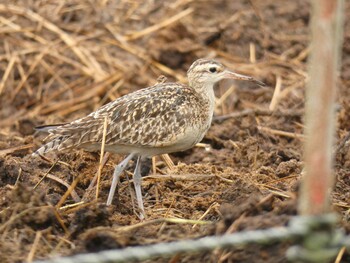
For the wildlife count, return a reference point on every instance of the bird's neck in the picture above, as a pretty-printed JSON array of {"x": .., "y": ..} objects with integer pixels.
[{"x": 206, "y": 91}]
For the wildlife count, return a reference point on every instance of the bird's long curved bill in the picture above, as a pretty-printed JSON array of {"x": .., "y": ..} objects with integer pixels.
[{"x": 233, "y": 75}]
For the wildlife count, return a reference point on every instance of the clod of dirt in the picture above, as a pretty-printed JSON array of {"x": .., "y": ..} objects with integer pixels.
[
  {"x": 174, "y": 53},
  {"x": 288, "y": 207},
  {"x": 9, "y": 171},
  {"x": 287, "y": 168},
  {"x": 232, "y": 212},
  {"x": 239, "y": 192},
  {"x": 89, "y": 217},
  {"x": 26, "y": 126},
  {"x": 30, "y": 207},
  {"x": 98, "y": 239}
]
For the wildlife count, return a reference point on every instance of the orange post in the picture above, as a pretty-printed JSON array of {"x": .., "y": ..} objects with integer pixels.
[{"x": 326, "y": 28}]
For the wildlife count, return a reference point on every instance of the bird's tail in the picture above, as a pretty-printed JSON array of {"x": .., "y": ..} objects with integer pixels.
[
  {"x": 46, "y": 128},
  {"x": 50, "y": 146}
]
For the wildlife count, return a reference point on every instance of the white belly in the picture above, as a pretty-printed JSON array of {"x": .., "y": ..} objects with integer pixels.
[{"x": 185, "y": 141}]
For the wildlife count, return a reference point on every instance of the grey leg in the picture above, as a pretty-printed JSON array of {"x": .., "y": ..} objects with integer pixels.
[
  {"x": 137, "y": 185},
  {"x": 117, "y": 172}
]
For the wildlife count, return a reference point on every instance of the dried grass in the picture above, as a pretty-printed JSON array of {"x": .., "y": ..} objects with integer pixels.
[
  {"x": 62, "y": 59},
  {"x": 58, "y": 57}
]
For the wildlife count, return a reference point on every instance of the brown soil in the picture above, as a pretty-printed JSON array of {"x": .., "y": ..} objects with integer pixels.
[{"x": 247, "y": 178}]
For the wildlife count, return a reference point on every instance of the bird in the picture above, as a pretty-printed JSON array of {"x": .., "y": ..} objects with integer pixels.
[{"x": 164, "y": 118}]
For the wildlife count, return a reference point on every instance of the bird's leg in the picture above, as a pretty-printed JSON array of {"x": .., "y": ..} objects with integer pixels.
[
  {"x": 137, "y": 185},
  {"x": 117, "y": 172}
]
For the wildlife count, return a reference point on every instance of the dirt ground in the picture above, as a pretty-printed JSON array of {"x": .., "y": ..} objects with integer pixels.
[{"x": 60, "y": 60}]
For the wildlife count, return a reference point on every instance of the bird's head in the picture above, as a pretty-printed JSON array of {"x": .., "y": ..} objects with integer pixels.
[{"x": 207, "y": 72}]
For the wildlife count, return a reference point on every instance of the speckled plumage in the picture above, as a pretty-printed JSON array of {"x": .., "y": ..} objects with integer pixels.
[
  {"x": 164, "y": 118},
  {"x": 155, "y": 117}
]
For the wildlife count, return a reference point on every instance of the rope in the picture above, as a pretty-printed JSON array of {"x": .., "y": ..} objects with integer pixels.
[{"x": 300, "y": 228}]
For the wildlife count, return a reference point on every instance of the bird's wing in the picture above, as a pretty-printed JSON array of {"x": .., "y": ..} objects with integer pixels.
[{"x": 152, "y": 117}]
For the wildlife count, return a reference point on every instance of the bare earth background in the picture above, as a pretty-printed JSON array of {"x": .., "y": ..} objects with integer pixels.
[{"x": 60, "y": 60}]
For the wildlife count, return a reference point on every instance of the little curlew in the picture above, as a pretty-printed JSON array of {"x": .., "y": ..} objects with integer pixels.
[{"x": 164, "y": 118}]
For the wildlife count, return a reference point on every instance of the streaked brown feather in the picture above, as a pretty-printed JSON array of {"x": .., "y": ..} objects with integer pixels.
[{"x": 151, "y": 117}]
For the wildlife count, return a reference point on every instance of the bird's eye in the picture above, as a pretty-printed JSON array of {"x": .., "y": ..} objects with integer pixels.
[{"x": 213, "y": 69}]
